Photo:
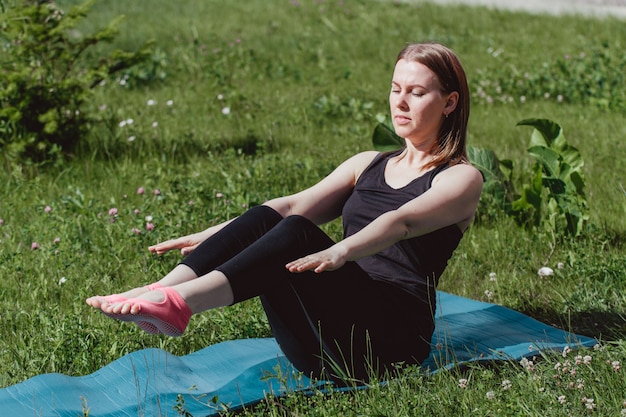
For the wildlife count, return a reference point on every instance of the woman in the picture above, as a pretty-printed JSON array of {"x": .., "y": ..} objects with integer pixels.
[{"x": 358, "y": 307}]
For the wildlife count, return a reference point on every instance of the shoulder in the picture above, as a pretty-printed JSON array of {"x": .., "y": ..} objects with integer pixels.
[
  {"x": 359, "y": 162},
  {"x": 462, "y": 175}
]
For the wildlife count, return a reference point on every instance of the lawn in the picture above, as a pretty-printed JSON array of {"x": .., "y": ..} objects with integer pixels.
[{"x": 244, "y": 101}]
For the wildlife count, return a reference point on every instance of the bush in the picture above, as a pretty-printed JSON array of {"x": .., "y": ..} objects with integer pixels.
[{"x": 48, "y": 79}]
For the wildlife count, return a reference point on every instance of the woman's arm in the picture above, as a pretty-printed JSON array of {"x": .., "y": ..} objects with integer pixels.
[
  {"x": 452, "y": 199},
  {"x": 320, "y": 203},
  {"x": 189, "y": 243}
]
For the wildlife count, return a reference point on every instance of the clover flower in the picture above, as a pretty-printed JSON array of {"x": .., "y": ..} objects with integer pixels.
[
  {"x": 566, "y": 351},
  {"x": 490, "y": 395},
  {"x": 149, "y": 226},
  {"x": 34, "y": 246},
  {"x": 140, "y": 190},
  {"x": 616, "y": 366},
  {"x": 506, "y": 385},
  {"x": 463, "y": 383},
  {"x": 589, "y": 403},
  {"x": 545, "y": 271},
  {"x": 62, "y": 281},
  {"x": 47, "y": 209}
]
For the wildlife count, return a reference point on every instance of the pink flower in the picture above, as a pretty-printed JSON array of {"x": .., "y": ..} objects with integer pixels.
[
  {"x": 48, "y": 209},
  {"x": 219, "y": 195},
  {"x": 157, "y": 192},
  {"x": 140, "y": 190},
  {"x": 113, "y": 211},
  {"x": 149, "y": 226},
  {"x": 56, "y": 240},
  {"x": 136, "y": 231},
  {"x": 136, "y": 211},
  {"x": 34, "y": 245}
]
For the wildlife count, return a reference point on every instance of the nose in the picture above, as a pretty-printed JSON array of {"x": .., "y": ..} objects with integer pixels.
[{"x": 398, "y": 100}]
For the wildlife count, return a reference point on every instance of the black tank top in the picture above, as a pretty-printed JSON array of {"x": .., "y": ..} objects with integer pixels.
[{"x": 415, "y": 264}]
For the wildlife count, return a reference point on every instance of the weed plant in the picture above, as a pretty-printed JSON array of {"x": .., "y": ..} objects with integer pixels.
[{"x": 245, "y": 101}]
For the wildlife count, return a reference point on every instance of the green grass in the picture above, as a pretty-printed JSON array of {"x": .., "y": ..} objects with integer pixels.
[{"x": 303, "y": 85}]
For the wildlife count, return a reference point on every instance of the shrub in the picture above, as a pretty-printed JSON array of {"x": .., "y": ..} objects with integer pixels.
[{"x": 48, "y": 79}]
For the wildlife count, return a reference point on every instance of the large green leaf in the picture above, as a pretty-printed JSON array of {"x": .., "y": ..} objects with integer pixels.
[
  {"x": 385, "y": 139},
  {"x": 548, "y": 159},
  {"x": 485, "y": 160},
  {"x": 549, "y": 132}
]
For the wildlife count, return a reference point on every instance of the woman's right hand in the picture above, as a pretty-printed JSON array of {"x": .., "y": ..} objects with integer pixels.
[{"x": 186, "y": 244}]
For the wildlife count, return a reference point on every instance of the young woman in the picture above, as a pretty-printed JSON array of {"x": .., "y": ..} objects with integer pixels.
[{"x": 360, "y": 306}]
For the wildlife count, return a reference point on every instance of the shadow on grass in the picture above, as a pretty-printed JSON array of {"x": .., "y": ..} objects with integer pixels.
[{"x": 600, "y": 325}]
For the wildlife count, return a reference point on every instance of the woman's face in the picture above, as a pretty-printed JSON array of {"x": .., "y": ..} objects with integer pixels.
[{"x": 417, "y": 104}]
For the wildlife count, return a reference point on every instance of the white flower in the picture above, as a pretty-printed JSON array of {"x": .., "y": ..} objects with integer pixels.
[
  {"x": 545, "y": 271},
  {"x": 566, "y": 351},
  {"x": 62, "y": 281},
  {"x": 169, "y": 102},
  {"x": 492, "y": 276},
  {"x": 123, "y": 123},
  {"x": 155, "y": 124},
  {"x": 220, "y": 97},
  {"x": 151, "y": 102},
  {"x": 562, "y": 399},
  {"x": 490, "y": 395},
  {"x": 129, "y": 121},
  {"x": 506, "y": 384},
  {"x": 132, "y": 138},
  {"x": 226, "y": 111},
  {"x": 463, "y": 383},
  {"x": 148, "y": 218},
  {"x": 560, "y": 265}
]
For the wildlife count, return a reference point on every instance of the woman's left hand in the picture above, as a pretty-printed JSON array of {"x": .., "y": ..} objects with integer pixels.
[{"x": 326, "y": 260}]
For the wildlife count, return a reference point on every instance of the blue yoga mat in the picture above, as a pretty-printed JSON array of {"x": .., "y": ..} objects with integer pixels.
[{"x": 151, "y": 382}]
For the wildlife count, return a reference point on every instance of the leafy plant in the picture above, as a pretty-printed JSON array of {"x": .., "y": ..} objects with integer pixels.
[
  {"x": 552, "y": 197},
  {"x": 47, "y": 79}
]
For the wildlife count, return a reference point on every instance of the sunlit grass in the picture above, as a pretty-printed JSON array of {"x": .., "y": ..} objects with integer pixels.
[{"x": 263, "y": 98}]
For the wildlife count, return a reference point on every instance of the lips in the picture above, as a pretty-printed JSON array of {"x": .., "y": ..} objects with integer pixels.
[{"x": 401, "y": 120}]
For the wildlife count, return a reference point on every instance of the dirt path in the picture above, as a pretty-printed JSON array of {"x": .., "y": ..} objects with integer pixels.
[{"x": 596, "y": 8}]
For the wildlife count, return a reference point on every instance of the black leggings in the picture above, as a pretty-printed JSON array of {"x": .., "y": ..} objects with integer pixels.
[{"x": 335, "y": 324}]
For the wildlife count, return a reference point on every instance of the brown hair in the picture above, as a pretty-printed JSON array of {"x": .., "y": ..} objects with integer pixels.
[{"x": 450, "y": 146}]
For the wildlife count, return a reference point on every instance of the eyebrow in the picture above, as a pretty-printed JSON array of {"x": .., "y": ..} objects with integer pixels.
[{"x": 410, "y": 86}]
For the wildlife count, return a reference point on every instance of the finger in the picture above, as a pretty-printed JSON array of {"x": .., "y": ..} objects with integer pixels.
[
  {"x": 186, "y": 251},
  {"x": 163, "y": 247}
]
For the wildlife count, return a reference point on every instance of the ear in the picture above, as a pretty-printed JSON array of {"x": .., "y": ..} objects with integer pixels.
[{"x": 452, "y": 101}]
